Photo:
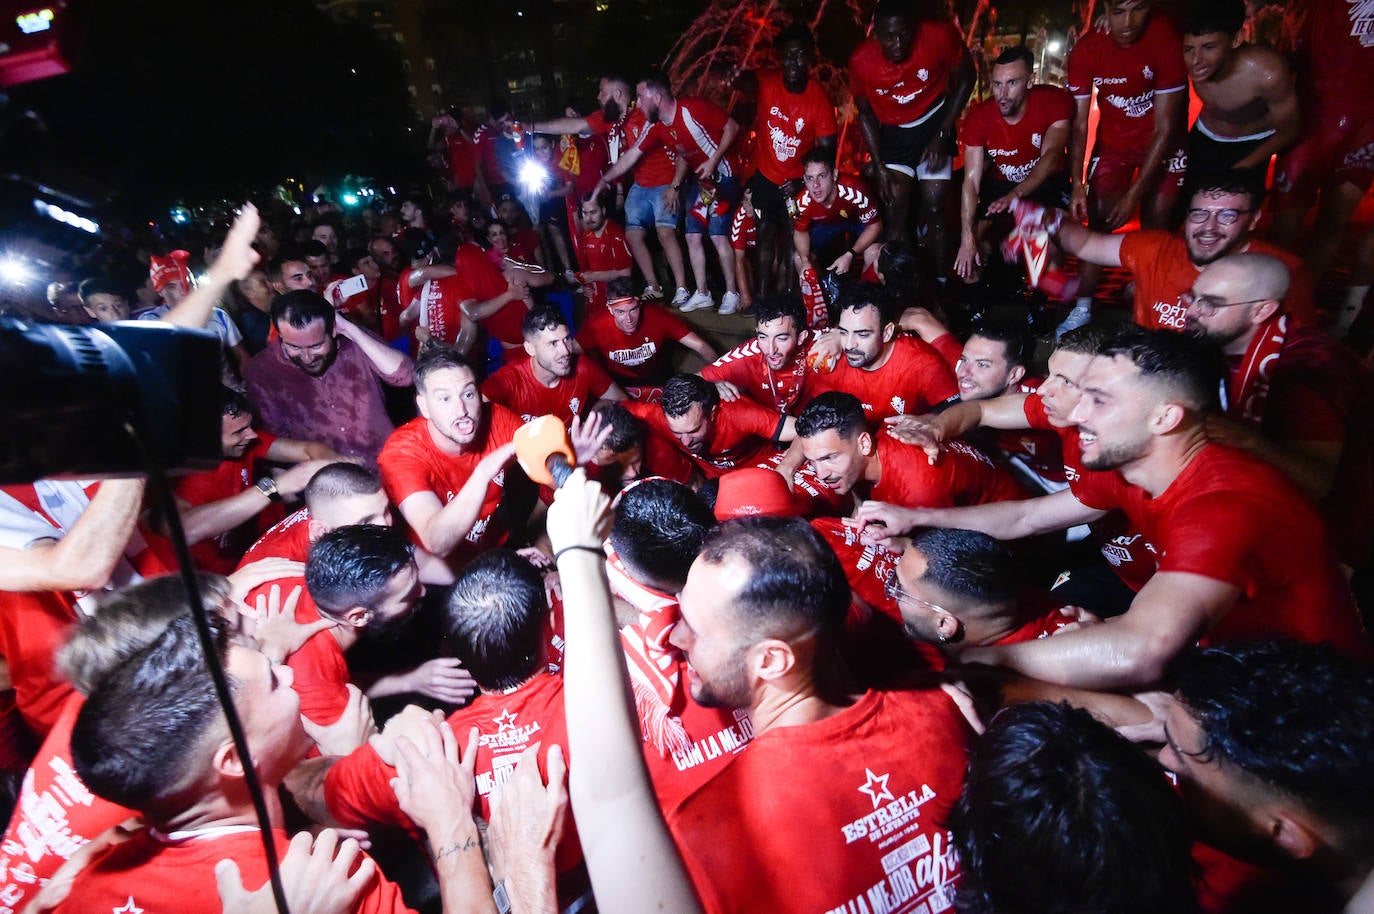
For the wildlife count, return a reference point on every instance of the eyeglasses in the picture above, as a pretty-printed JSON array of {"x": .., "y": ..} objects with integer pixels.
[
  {"x": 1207, "y": 305},
  {"x": 899, "y": 595},
  {"x": 1224, "y": 216}
]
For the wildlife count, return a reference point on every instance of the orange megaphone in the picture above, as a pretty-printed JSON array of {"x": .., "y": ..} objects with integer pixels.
[{"x": 543, "y": 451}]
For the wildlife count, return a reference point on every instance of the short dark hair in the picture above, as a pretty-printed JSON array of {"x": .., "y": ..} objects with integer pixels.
[
  {"x": 683, "y": 391},
  {"x": 1092, "y": 338},
  {"x": 1015, "y": 336},
  {"x": 414, "y": 243},
  {"x": 437, "y": 358},
  {"x": 353, "y": 565},
  {"x": 1296, "y": 717},
  {"x": 350, "y": 258},
  {"x": 658, "y": 531},
  {"x": 868, "y": 295},
  {"x": 339, "y": 480},
  {"x": 1059, "y": 814},
  {"x": 285, "y": 255},
  {"x": 771, "y": 307},
  {"x": 796, "y": 584},
  {"x": 1015, "y": 53},
  {"x": 823, "y": 155},
  {"x": 895, "y": 9},
  {"x": 299, "y": 308},
  {"x": 99, "y": 285},
  {"x": 620, "y": 287},
  {"x": 626, "y": 429},
  {"x": 969, "y": 565},
  {"x": 1190, "y": 368},
  {"x": 234, "y": 403},
  {"x": 495, "y": 615},
  {"x": 1202, "y": 17},
  {"x": 794, "y": 33},
  {"x": 832, "y": 410},
  {"x": 541, "y": 318},
  {"x": 135, "y": 739},
  {"x": 313, "y": 248},
  {"x": 1227, "y": 181},
  {"x": 657, "y": 79}
]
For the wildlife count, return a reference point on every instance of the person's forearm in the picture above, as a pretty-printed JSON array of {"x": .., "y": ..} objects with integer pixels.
[
  {"x": 485, "y": 309},
  {"x": 464, "y": 884},
  {"x": 386, "y": 360},
  {"x": 958, "y": 420},
  {"x": 205, "y": 521},
  {"x": 869, "y": 237},
  {"x": 305, "y": 783},
  {"x": 561, "y": 125},
  {"x": 968, "y": 206},
  {"x": 1111, "y": 655},
  {"x": 801, "y": 244},
  {"x": 393, "y": 684},
  {"x": 957, "y": 95},
  {"x": 1049, "y": 162},
  {"x": 604, "y": 275},
  {"x": 868, "y": 126},
  {"x": 87, "y": 555},
  {"x": 1073, "y": 237},
  {"x": 701, "y": 348},
  {"x": 1003, "y": 520}
]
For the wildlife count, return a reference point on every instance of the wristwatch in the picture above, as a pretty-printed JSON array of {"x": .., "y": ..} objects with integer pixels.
[{"x": 268, "y": 486}]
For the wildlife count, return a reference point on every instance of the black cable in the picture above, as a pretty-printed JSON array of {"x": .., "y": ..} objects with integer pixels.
[{"x": 166, "y": 503}]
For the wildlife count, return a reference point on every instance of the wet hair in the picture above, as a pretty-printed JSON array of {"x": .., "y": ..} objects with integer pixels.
[
  {"x": 285, "y": 255},
  {"x": 313, "y": 248},
  {"x": 233, "y": 403},
  {"x": 1295, "y": 717},
  {"x": 823, "y": 155},
  {"x": 771, "y": 307},
  {"x": 658, "y": 531},
  {"x": 353, "y": 565},
  {"x": 626, "y": 430},
  {"x": 436, "y": 358},
  {"x": 683, "y": 391},
  {"x": 541, "y": 318},
  {"x": 1202, "y": 17},
  {"x": 868, "y": 295},
  {"x": 1016, "y": 53},
  {"x": 495, "y": 615},
  {"x": 970, "y": 566},
  {"x": 1059, "y": 814},
  {"x": 299, "y": 308},
  {"x": 794, "y": 33},
  {"x": 900, "y": 266},
  {"x": 895, "y": 9},
  {"x": 832, "y": 410},
  {"x": 340, "y": 480},
  {"x": 1189, "y": 369}
]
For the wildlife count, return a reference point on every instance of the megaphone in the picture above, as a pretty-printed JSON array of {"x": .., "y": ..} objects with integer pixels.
[{"x": 544, "y": 452}]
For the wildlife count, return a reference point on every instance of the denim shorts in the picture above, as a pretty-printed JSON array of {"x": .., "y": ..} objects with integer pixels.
[
  {"x": 647, "y": 206},
  {"x": 727, "y": 189}
]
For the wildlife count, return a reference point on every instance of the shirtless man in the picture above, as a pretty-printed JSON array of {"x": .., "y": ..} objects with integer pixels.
[{"x": 1249, "y": 105}]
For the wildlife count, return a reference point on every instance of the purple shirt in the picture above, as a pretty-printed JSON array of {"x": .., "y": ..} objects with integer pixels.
[{"x": 342, "y": 407}]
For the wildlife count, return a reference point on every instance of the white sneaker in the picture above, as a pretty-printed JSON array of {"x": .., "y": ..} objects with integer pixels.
[
  {"x": 700, "y": 300},
  {"x": 651, "y": 293},
  {"x": 1080, "y": 315},
  {"x": 680, "y": 297},
  {"x": 729, "y": 303}
]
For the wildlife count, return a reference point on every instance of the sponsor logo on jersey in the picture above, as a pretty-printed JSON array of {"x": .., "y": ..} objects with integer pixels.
[{"x": 1135, "y": 106}]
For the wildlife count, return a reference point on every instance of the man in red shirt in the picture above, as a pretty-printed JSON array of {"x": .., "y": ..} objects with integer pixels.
[
  {"x": 771, "y": 369},
  {"x": 1294, "y": 397},
  {"x": 763, "y": 615},
  {"x": 716, "y": 436},
  {"x": 1021, "y": 133},
  {"x": 889, "y": 371},
  {"x": 630, "y": 338},
  {"x": 910, "y": 80},
  {"x": 445, "y": 469},
  {"x": 835, "y": 218},
  {"x": 794, "y": 117},
  {"x": 338, "y": 495},
  {"x": 1136, "y": 65},
  {"x": 603, "y": 254},
  {"x": 1220, "y": 220},
  {"x": 553, "y": 380},
  {"x": 849, "y": 459}
]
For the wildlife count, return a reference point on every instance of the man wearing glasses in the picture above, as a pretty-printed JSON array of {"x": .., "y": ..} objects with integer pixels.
[{"x": 1220, "y": 218}]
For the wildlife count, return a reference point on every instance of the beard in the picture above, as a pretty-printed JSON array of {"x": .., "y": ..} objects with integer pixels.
[{"x": 611, "y": 111}]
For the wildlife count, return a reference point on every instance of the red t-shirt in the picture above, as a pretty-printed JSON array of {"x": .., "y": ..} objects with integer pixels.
[
  {"x": 742, "y": 435},
  {"x": 289, "y": 538},
  {"x": 155, "y": 874},
  {"x": 462, "y": 158},
  {"x": 319, "y": 670},
  {"x": 478, "y": 279},
  {"x": 410, "y": 462},
  {"x": 33, "y": 627},
  {"x": 785, "y": 391},
  {"x": 788, "y": 125},
  {"x": 1163, "y": 272},
  {"x": 852, "y": 204},
  {"x": 1042, "y": 618},
  {"x": 55, "y": 815},
  {"x": 601, "y": 252},
  {"x": 636, "y": 359},
  {"x": 869, "y": 826},
  {"x": 515, "y": 387},
  {"x": 1339, "y": 56},
  {"x": 1013, "y": 149},
  {"x": 485, "y": 141},
  {"x": 912, "y": 380},
  {"x": 962, "y": 476},
  {"x": 1127, "y": 80},
  {"x": 440, "y": 301},
  {"x": 696, "y": 131},
  {"x": 1234, "y": 518},
  {"x": 905, "y": 92},
  {"x": 613, "y": 134},
  {"x": 658, "y": 164}
]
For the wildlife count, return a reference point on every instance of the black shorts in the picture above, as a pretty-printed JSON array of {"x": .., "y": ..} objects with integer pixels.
[
  {"x": 1052, "y": 192},
  {"x": 769, "y": 201},
  {"x": 903, "y": 148},
  {"x": 1209, "y": 157}
]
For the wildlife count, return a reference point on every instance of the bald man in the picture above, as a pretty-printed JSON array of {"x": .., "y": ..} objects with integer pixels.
[{"x": 1293, "y": 396}]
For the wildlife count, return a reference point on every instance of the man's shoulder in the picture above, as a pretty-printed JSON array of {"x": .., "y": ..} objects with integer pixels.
[
  {"x": 406, "y": 439},
  {"x": 1155, "y": 244}
]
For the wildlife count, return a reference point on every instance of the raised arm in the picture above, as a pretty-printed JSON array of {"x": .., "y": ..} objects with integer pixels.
[
  {"x": 86, "y": 556},
  {"x": 442, "y": 527},
  {"x": 235, "y": 261},
  {"x": 388, "y": 363}
]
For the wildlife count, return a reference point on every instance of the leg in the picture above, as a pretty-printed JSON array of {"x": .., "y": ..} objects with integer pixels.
[
  {"x": 1333, "y": 216},
  {"x": 896, "y": 197},
  {"x": 744, "y": 272},
  {"x": 639, "y": 249},
  {"x": 934, "y": 203},
  {"x": 696, "y": 253}
]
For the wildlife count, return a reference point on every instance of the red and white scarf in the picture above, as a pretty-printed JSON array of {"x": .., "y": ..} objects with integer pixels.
[{"x": 1248, "y": 389}]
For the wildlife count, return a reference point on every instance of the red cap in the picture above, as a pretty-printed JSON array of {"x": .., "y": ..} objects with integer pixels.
[{"x": 754, "y": 491}]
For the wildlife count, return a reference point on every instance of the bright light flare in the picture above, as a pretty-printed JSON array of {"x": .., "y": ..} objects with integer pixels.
[
  {"x": 533, "y": 176},
  {"x": 14, "y": 271}
]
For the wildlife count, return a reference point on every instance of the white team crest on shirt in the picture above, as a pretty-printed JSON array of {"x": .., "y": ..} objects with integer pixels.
[
  {"x": 575, "y": 405},
  {"x": 923, "y": 74},
  {"x": 1148, "y": 73},
  {"x": 899, "y": 405},
  {"x": 1037, "y": 140},
  {"x": 875, "y": 786},
  {"x": 799, "y": 124}
]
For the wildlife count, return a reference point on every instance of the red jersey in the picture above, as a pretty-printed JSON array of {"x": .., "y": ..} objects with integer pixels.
[
  {"x": 1014, "y": 149},
  {"x": 289, "y": 538},
  {"x": 962, "y": 476},
  {"x": 612, "y": 133},
  {"x": 658, "y": 164},
  {"x": 1234, "y": 518},
  {"x": 912, "y": 380},
  {"x": 319, "y": 670},
  {"x": 903, "y": 93},
  {"x": 871, "y": 828},
  {"x": 785, "y": 391},
  {"x": 515, "y": 387},
  {"x": 462, "y": 159},
  {"x": 478, "y": 279},
  {"x": 600, "y": 252},
  {"x": 440, "y": 305},
  {"x": 1127, "y": 80},
  {"x": 696, "y": 132},
  {"x": 153, "y": 873},
  {"x": 485, "y": 140},
  {"x": 867, "y": 566},
  {"x": 1042, "y": 619},
  {"x": 852, "y": 205},
  {"x": 1339, "y": 40},
  {"x": 54, "y": 816},
  {"x": 1163, "y": 271},
  {"x": 410, "y": 462},
  {"x": 788, "y": 125},
  {"x": 635, "y": 359},
  {"x": 33, "y": 628},
  {"x": 742, "y": 435}
]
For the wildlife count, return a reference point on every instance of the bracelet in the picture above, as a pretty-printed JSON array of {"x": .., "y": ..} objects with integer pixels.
[
  {"x": 596, "y": 549},
  {"x": 853, "y": 253}
]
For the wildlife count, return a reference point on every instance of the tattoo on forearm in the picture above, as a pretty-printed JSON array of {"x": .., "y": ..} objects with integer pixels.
[{"x": 449, "y": 850}]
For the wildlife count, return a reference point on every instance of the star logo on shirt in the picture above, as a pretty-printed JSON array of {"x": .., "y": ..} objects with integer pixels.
[
  {"x": 876, "y": 787},
  {"x": 506, "y": 721},
  {"x": 128, "y": 908}
]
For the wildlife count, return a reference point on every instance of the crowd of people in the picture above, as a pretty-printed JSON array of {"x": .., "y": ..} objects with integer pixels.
[{"x": 862, "y": 615}]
